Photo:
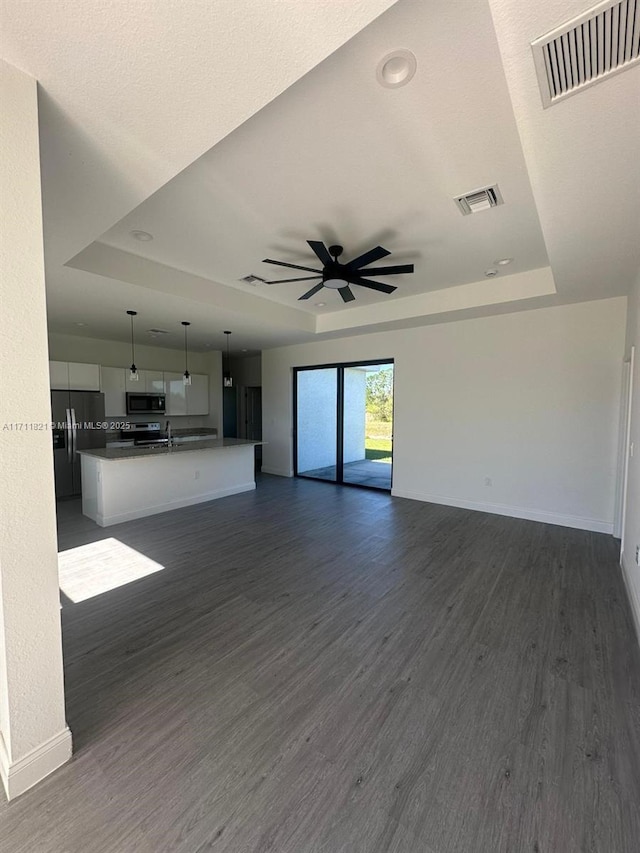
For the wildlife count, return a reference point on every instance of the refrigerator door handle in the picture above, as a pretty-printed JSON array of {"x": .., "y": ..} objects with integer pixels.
[
  {"x": 67, "y": 429},
  {"x": 74, "y": 433}
]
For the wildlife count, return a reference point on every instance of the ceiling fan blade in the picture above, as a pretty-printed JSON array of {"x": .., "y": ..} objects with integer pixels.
[
  {"x": 347, "y": 295},
  {"x": 313, "y": 290},
  {"x": 397, "y": 270},
  {"x": 293, "y": 266},
  {"x": 368, "y": 258},
  {"x": 285, "y": 280},
  {"x": 373, "y": 285},
  {"x": 321, "y": 251}
]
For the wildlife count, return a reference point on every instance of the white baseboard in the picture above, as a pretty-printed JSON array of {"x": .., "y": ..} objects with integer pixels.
[
  {"x": 632, "y": 595},
  {"x": 19, "y": 776},
  {"x": 593, "y": 524},
  {"x": 278, "y": 472},
  {"x": 142, "y": 512}
]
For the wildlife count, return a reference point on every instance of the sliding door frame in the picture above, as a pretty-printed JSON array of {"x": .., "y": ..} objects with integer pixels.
[{"x": 340, "y": 368}]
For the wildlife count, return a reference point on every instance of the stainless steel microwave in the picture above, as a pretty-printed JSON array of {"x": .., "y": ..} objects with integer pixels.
[{"x": 145, "y": 404}]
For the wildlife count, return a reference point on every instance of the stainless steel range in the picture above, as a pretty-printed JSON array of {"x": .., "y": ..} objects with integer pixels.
[{"x": 145, "y": 435}]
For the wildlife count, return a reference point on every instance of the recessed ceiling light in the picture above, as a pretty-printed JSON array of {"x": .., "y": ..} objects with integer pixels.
[
  {"x": 81, "y": 324},
  {"x": 320, "y": 304},
  {"x": 491, "y": 273},
  {"x": 396, "y": 69},
  {"x": 143, "y": 236},
  {"x": 503, "y": 262}
]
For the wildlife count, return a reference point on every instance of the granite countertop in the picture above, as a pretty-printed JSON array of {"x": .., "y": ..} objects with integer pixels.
[
  {"x": 195, "y": 431},
  {"x": 113, "y": 454}
]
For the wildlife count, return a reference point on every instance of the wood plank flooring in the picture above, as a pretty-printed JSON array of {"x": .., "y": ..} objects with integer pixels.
[{"x": 320, "y": 669}]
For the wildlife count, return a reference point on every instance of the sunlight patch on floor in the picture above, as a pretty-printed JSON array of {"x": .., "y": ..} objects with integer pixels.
[{"x": 99, "y": 567}]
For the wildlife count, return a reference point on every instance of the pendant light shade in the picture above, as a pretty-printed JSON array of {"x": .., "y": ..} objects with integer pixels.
[
  {"x": 134, "y": 376},
  {"x": 227, "y": 379},
  {"x": 186, "y": 376}
]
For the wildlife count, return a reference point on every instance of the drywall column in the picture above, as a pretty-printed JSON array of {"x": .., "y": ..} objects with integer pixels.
[
  {"x": 34, "y": 738},
  {"x": 632, "y": 515}
]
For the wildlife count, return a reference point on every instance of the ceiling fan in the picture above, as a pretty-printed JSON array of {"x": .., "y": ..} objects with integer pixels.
[{"x": 339, "y": 276}]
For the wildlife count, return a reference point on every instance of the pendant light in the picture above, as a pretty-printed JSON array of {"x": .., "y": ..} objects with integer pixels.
[
  {"x": 134, "y": 376},
  {"x": 186, "y": 376},
  {"x": 227, "y": 379}
]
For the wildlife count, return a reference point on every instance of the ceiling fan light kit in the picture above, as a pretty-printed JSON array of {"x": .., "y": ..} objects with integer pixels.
[{"x": 338, "y": 276}]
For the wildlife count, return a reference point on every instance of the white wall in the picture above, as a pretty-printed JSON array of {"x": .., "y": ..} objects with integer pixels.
[
  {"x": 529, "y": 400},
  {"x": 632, "y": 514},
  {"x": 355, "y": 404},
  {"x": 34, "y": 738},
  {"x": 118, "y": 354}
]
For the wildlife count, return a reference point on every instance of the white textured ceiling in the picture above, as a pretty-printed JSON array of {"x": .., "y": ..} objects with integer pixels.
[{"x": 232, "y": 131}]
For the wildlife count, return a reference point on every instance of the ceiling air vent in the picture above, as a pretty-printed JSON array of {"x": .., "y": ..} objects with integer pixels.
[
  {"x": 251, "y": 279},
  {"x": 478, "y": 200},
  {"x": 601, "y": 42},
  {"x": 156, "y": 332}
]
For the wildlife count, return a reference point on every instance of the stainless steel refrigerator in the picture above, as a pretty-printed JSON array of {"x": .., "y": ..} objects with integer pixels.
[{"x": 73, "y": 413}]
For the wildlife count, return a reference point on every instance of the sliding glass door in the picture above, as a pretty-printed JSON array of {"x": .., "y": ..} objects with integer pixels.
[
  {"x": 343, "y": 427},
  {"x": 316, "y": 425}
]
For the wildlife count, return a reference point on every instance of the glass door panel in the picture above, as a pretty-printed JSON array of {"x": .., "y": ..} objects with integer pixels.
[
  {"x": 368, "y": 425},
  {"x": 316, "y": 423}
]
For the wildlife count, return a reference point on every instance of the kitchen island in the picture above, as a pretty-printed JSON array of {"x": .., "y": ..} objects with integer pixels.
[{"x": 122, "y": 483}]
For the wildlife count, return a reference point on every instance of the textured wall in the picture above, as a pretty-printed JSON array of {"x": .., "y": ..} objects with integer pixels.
[{"x": 31, "y": 681}]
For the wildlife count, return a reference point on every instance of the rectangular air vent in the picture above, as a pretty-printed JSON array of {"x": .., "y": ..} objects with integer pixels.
[
  {"x": 156, "y": 332},
  {"x": 251, "y": 279},
  {"x": 601, "y": 42},
  {"x": 478, "y": 200}
]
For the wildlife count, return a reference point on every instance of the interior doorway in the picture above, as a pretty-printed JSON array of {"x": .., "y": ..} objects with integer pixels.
[{"x": 343, "y": 423}]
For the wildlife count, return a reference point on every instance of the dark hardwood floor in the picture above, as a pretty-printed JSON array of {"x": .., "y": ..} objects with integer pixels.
[{"x": 320, "y": 669}]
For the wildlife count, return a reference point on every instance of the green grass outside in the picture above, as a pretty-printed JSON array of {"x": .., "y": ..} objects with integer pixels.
[{"x": 378, "y": 441}]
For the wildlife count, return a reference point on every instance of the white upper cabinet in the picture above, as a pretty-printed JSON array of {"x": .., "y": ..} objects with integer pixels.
[
  {"x": 59, "y": 375},
  {"x": 174, "y": 388},
  {"x": 114, "y": 382},
  {"x": 113, "y": 387},
  {"x": 74, "y": 376},
  {"x": 84, "y": 377},
  {"x": 198, "y": 395},
  {"x": 154, "y": 382}
]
